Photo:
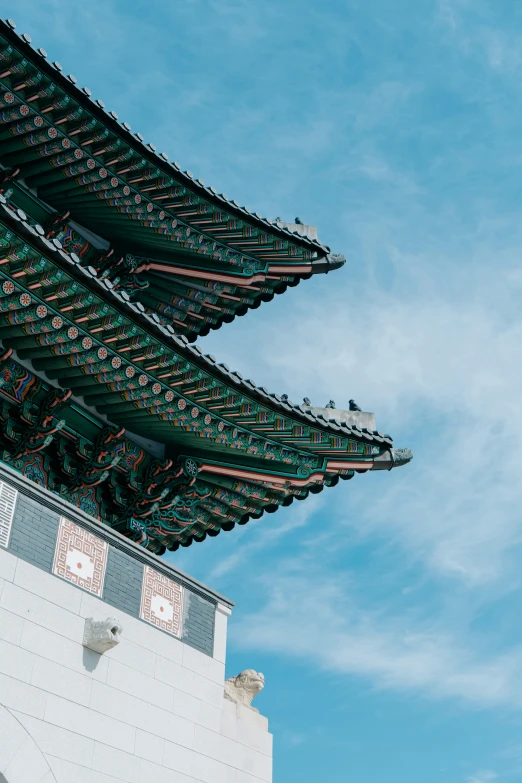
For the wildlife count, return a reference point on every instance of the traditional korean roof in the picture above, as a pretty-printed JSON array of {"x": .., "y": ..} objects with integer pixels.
[
  {"x": 198, "y": 259},
  {"x": 102, "y": 397},
  {"x": 71, "y": 341}
]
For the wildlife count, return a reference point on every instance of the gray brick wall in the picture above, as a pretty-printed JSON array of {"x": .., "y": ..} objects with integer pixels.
[
  {"x": 199, "y": 623},
  {"x": 123, "y": 579},
  {"x": 33, "y": 538},
  {"x": 34, "y": 532}
]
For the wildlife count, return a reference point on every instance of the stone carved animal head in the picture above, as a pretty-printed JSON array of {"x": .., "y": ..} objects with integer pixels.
[
  {"x": 101, "y": 635},
  {"x": 242, "y": 688}
]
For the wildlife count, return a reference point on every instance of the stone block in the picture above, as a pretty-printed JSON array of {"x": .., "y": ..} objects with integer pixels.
[
  {"x": 218, "y": 747},
  {"x": 149, "y": 746},
  {"x": 152, "y": 639},
  {"x": 110, "y": 761},
  {"x": 13, "y": 737},
  {"x": 240, "y": 776},
  {"x": 202, "y": 664},
  {"x": 228, "y": 724},
  {"x": 257, "y": 764},
  {"x": 29, "y": 764},
  {"x": 31, "y": 607},
  {"x": 89, "y": 722},
  {"x": 15, "y": 662},
  {"x": 249, "y": 734},
  {"x": 56, "y": 679},
  {"x": 8, "y": 564},
  {"x": 153, "y": 772},
  {"x": 11, "y": 627},
  {"x": 233, "y": 753},
  {"x": 133, "y": 655},
  {"x": 140, "y": 714},
  {"x": 252, "y": 718},
  {"x": 68, "y": 772},
  {"x": 193, "y": 764},
  {"x": 189, "y": 682},
  {"x": 196, "y": 710},
  {"x": 46, "y": 586},
  {"x": 56, "y": 741},
  {"x": 141, "y": 685},
  {"x": 18, "y": 695},
  {"x": 66, "y": 653}
]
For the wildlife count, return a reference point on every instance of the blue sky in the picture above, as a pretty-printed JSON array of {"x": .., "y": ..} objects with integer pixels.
[{"x": 385, "y": 613}]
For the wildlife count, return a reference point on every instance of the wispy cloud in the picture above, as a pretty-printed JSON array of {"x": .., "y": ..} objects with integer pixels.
[
  {"x": 398, "y": 134},
  {"x": 315, "y": 618},
  {"x": 480, "y": 31},
  {"x": 449, "y": 373},
  {"x": 268, "y": 535},
  {"x": 483, "y": 776}
]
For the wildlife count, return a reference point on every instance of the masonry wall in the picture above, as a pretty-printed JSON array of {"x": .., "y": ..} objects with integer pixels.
[{"x": 149, "y": 710}]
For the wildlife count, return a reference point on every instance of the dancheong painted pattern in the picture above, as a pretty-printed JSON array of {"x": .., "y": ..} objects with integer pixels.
[{"x": 112, "y": 262}]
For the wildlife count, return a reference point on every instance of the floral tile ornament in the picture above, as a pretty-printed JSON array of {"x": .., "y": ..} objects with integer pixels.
[
  {"x": 80, "y": 557},
  {"x": 161, "y": 602}
]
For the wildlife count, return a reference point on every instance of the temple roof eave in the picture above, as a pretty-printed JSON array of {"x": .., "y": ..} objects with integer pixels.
[
  {"x": 150, "y": 322},
  {"x": 147, "y": 150},
  {"x": 96, "y": 178},
  {"x": 105, "y": 331}
]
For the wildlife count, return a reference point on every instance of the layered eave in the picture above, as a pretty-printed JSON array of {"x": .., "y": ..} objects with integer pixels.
[
  {"x": 112, "y": 262},
  {"x": 95, "y": 364},
  {"x": 198, "y": 260}
]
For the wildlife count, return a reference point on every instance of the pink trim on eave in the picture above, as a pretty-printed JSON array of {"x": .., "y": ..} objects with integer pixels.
[
  {"x": 333, "y": 465},
  {"x": 223, "y": 278}
]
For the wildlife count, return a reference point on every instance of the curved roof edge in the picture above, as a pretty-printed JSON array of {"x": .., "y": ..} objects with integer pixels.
[
  {"x": 148, "y": 150},
  {"x": 151, "y": 323}
]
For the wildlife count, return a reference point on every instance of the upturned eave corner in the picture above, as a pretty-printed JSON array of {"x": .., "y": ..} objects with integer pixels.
[
  {"x": 393, "y": 458},
  {"x": 112, "y": 261}
]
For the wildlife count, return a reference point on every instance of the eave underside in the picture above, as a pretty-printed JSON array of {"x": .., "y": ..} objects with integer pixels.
[
  {"x": 70, "y": 342},
  {"x": 190, "y": 256}
]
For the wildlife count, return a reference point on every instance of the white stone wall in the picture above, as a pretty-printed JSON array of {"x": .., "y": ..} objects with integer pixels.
[{"x": 151, "y": 710}]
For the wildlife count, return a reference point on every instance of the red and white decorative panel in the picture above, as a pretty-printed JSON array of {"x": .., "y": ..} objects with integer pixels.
[
  {"x": 161, "y": 602},
  {"x": 80, "y": 557}
]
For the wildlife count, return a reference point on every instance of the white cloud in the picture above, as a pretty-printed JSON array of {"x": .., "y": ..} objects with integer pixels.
[
  {"x": 269, "y": 533},
  {"x": 449, "y": 371},
  {"x": 314, "y": 617},
  {"x": 478, "y": 32},
  {"x": 483, "y": 776},
  {"x": 443, "y": 369},
  {"x": 436, "y": 351}
]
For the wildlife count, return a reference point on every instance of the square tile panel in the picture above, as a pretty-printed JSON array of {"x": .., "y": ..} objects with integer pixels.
[
  {"x": 161, "y": 602},
  {"x": 80, "y": 557}
]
